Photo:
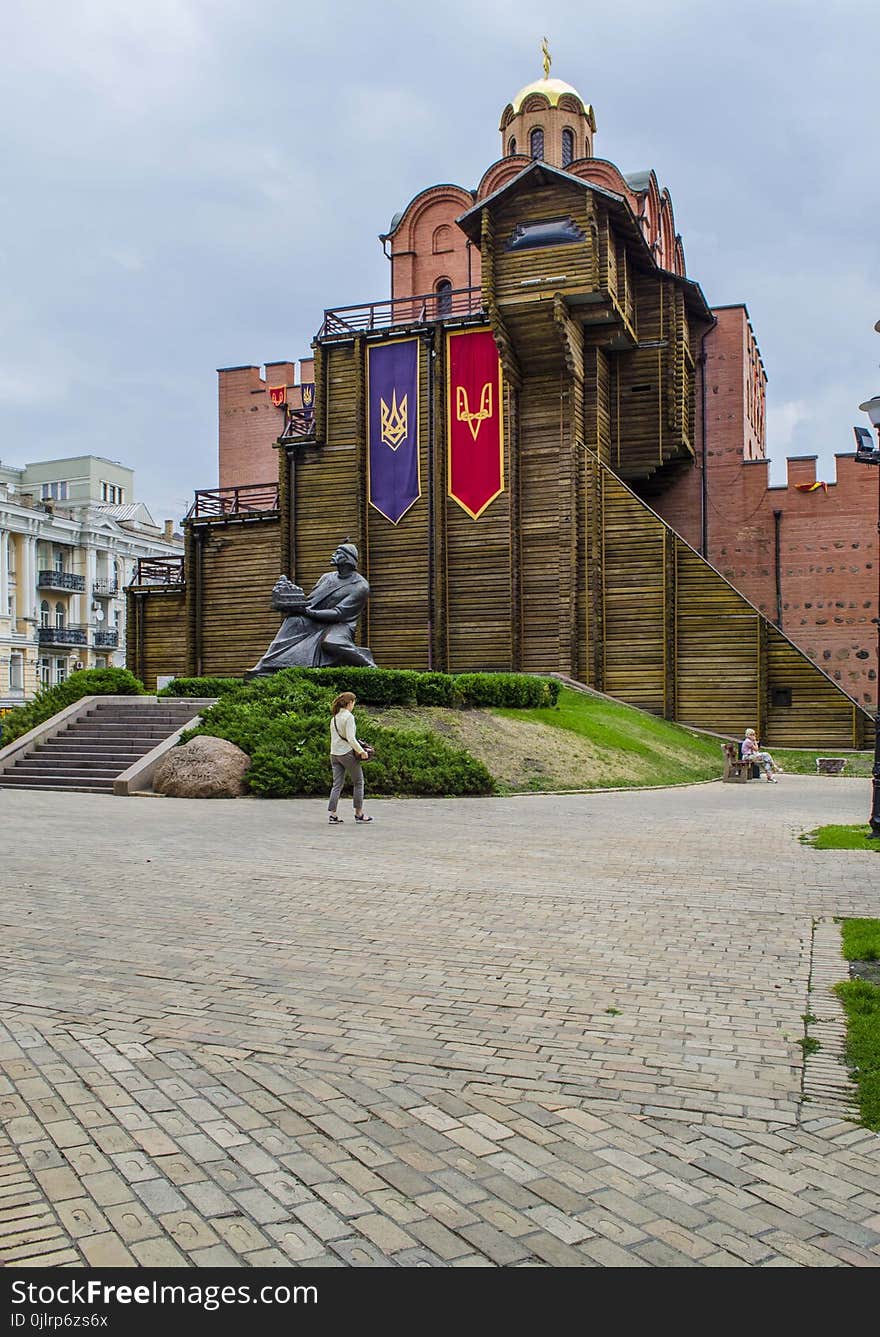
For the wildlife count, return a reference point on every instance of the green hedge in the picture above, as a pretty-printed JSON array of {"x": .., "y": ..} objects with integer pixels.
[
  {"x": 392, "y": 687},
  {"x": 202, "y": 686},
  {"x": 85, "y": 682}
]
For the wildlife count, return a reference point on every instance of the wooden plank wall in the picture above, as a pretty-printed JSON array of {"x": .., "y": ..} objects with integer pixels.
[
  {"x": 634, "y": 600},
  {"x": 679, "y": 640},
  {"x": 814, "y": 698},
  {"x": 231, "y": 568},
  {"x": 574, "y": 266},
  {"x": 717, "y": 639},
  {"x": 326, "y": 489},
  {"x": 545, "y": 579},
  {"x": 156, "y": 642}
]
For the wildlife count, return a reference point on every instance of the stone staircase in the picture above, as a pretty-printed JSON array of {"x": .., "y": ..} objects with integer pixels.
[{"x": 99, "y": 744}]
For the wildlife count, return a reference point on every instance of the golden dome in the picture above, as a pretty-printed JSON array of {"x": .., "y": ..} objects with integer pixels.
[{"x": 553, "y": 89}]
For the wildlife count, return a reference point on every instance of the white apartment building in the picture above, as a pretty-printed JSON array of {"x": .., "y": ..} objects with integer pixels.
[{"x": 71, "y": 535}]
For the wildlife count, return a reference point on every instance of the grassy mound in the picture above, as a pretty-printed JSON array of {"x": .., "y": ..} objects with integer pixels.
[
  {"x": 587, "y": 742},
  {"x": 513, "y": 738}
]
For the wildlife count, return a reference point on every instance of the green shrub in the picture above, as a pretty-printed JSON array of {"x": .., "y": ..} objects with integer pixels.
[
  {"x": 392, "y": 687},
  {"x": 292, "y": 758},
  {"x": 84, "y": 682},
  {"x": 201, "y": 686},
  {"x": 514, "y": 691},
  {"x": 244, "y": 717}
]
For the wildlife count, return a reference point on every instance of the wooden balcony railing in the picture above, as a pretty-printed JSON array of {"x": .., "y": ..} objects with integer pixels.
[
  {"x": 300, "y": 425},
  {"x": 249, "y": 499},
  {"x": 159, "y": 571},
  {"x": 342, "y": 321}
]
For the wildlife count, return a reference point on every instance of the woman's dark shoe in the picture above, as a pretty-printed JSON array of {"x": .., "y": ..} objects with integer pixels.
[
  {"x": 362, "y": 818},
  {"x": 334, "y": 820}
]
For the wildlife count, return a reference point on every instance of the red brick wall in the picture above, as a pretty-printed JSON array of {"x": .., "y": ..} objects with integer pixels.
[
  {"x": 250, "y": 424},
  {"x": 428, "y": 245}
]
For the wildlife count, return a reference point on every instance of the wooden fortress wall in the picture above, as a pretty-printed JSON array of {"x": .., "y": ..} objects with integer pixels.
[
  {"x": 221, "y": 621},
  {"x": 567, "y": 570}
]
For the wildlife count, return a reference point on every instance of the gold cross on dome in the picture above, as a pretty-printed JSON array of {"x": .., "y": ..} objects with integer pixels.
[{"x": 545, "y": 50}]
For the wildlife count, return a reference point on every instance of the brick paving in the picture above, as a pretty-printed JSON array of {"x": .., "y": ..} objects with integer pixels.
[{"x": 530, "y": 1031}]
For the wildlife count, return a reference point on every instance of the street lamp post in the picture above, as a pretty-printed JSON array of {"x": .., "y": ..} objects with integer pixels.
[{"x": 864, "y": 456}]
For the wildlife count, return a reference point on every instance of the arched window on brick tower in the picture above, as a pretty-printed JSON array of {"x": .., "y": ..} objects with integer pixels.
[
  {"x": 442, "y": 240},
  {"x": 511, "y": 147},
  {"x": 443, "y": 289},
  {"x": 536, "y": 144},
  {"x": 567, "y": 147}
]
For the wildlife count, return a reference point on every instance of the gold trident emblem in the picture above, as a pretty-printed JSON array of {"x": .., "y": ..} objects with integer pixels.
[
  {"x": 393, "y": 421},
  {"x": 476, "y": 419}
]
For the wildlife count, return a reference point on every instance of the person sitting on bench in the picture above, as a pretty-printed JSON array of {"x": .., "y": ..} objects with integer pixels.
[{"x": 751, "y": 751}]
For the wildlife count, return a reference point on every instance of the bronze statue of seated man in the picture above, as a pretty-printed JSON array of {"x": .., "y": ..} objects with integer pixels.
[{"x": 319, "y": 632}]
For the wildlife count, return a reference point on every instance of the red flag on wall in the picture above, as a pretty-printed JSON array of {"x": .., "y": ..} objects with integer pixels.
[
  {"x": 278, "y": 395},
  {"x": 473, "y": 415}
]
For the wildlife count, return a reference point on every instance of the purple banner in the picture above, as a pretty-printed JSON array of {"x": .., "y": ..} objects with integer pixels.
[{"x": 393, "y": 479}]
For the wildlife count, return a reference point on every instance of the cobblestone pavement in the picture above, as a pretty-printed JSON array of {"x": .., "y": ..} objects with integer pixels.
[{"x": 489, "y": 1032}]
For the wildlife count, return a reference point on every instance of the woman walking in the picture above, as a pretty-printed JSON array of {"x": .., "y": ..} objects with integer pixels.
[{"x": 345, "y": 755}]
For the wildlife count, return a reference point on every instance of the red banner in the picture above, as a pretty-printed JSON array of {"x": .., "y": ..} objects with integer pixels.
[
  {"x": 278, "y": 395},
  {"x": 473, "y": 414}
]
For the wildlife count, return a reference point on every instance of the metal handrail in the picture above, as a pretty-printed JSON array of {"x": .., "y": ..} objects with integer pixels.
[
  {"x": 343, "y": 321},
  {"x": 63, "y": 635},
  {"x": 60, "y": 580}
]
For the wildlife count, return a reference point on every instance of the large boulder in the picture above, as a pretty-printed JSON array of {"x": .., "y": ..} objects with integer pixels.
[{"x": 202, "y": 768}]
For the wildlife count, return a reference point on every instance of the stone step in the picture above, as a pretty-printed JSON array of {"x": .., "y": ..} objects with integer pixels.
[
  {"x": 83, "y": 750},
  {"x": 104, "y": 786},
  {"x": 104, "y": 767}
]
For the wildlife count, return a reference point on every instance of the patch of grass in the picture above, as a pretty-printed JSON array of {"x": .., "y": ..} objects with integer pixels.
[
  {"x": 797, "y": 761},
  {"x": 669, "y": 753},
  {"x": 841, "y": 838},
  {"x": 861, "y": 939},
  {"x": 808, "y": 1045},
  {"x": 614, "y": 1011},
  {"x": 861, "y": 1001}
]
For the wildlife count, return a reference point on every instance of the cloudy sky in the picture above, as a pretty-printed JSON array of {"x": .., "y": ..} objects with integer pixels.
[{"x": 188, "y": 183}]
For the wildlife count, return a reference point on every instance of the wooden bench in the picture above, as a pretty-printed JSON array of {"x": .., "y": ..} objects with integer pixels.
[{"x": 737, "y": 771}]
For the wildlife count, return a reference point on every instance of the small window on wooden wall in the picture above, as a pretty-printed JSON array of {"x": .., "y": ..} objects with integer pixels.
[
  {"x": 567, "y": 147},
  {"x": 536, "y": 144}
]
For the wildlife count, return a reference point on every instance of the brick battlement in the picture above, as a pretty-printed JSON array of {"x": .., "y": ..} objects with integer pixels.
[{"x": 249, "y": 423}]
